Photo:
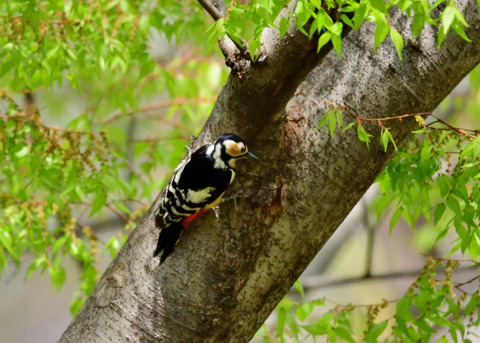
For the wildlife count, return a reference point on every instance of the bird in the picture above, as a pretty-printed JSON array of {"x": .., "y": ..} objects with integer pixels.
[{"x": 197, "y": 184}]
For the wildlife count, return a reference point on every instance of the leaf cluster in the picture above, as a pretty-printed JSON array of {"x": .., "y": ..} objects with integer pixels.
[{"x": 430, "y": 301}]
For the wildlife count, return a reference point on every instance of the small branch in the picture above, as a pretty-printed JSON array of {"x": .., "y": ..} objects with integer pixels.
[
  {"x": 463, "y": 132},
  {"x": 460, "y": 131},
  {"x": 212, "y": 10},
  {"x": 320, "y": 282},
  {"x": 118, "y": 213},
  {"x": 234, "y": 53},
  {"x": 467, "y": 282},
  {"x": 156, "y": 106}
]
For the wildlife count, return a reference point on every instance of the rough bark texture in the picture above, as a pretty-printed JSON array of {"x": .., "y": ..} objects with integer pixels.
[{"x": 228, "y": 273}]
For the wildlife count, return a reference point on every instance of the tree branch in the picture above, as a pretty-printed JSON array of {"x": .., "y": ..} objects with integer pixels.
[
  {"x": 318, "y": 281},
  {"x": 227, "y": 274},
  {"x": 211, "y": 9},
  {"x": 235, "y": 54}
]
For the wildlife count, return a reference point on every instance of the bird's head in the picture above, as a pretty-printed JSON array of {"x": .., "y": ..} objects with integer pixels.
[{"x": 232, "y": 148}]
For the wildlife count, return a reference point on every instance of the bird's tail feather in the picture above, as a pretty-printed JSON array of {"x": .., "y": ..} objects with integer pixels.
[{"x": 167, "y": 240}]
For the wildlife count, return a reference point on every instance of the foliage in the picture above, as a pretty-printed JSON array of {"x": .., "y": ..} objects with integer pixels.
[
  {"x": 432, "y": 300},
  {"x": 433, "y": 178},
  {"x": 326, "y": 21},
  {"x": 87, "y": 66}
]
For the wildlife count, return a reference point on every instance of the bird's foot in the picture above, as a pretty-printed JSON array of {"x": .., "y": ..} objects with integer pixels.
[{"x": 234, "y": 197}]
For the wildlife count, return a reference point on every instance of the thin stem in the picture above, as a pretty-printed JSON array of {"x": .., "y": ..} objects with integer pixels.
[{"x": 212, "y": 10}]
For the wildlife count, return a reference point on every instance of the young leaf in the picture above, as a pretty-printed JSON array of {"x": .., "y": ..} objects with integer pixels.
[
  {"x": 324, "y": 39},
  {"x": 284, "y": 24},
  {"x": 447, "y": 16},
  {"x": 363, "y": 136},
  {"x": 337, "y": 37},
  {"x": 331, "y": 122},
  {"x": 322, "y": 121},
  {"x": 417, "y": 24},
  {"x": 298, "y": 286},
  {"x": 397, "y": 41},
  {"x": 381, "y": 32},
  {"x": 99, "y": 201},
  {"x": 75, "y": 306},
  {"x": 348, "y": 127},
  {"x": 439, "y": 211}
]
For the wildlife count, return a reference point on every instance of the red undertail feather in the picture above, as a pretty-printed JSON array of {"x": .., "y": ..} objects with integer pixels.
[{"x": 187, "y": 221}]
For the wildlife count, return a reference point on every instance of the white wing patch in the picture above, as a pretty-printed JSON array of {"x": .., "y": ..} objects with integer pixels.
[
  {"x": 210, "y": 149},
  {"x": 179, "y": 170},
  {"x": 200, "y": 196},
  {"x": 219, "y": 164}
]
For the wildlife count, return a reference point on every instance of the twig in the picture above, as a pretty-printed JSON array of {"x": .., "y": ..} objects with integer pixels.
[
  {"x": 460, "y": 131},
  {"x": 118, "y": 213},
  {"x": 212, "y": 10},
  {"x": 316, "y": 282},
  {"x": 235, "y": 54},
  {"x": 463, "y": 132},
  {"x": 467, "y": 282},
  {"x": 156, "y": 106}
]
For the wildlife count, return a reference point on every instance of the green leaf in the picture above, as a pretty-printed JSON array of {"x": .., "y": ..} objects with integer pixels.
[
  {"x": 22, "y": 152},
  {"x": 298, "y": 286},
  {"x": 99, "y": 202},
  {"x": 447, "y": 17},
  {"x": 417, "y": 24},
  {"x": 323, "y": 39},
  {"x": 254, "y": 48},
  {"x": 454, "y": 205},
  {"x": 337, "y": 37},
  {"x": 396, "y": 216},
  {"x": 381, "y": 32},
  {"x": 57, "y": 276},
  {"x": 375, "y": 331},
  {"x": 379, "y": 5},
  {"x": 349, "y": 126},
  {"x": 384, "y": 139},
  {"x": 439, "y": 211},
  {"x": 284, "y": 24},
  {"x": 331, "y": 122},
  {"x": 460, "y": 31},
  {"x": 344, "y": 334},
  {"x": 122, "y": 207},
  {"x": 403, "y": 309},
  {"x": 304, "y": 310},
  {"x": 363, "y": 135},
  {"x": 472, "y": 304},
  {"x": 75, "y": 306},
  {"x": 38, "y": 262},
  {"x": 359, "y": 16},
  {"x": 293, "y": 325},
  {"x": 397, "y": 41},
  {"x": 339, "y": 117},
  {"x": 347, "y": 20},
  {"x": 281, "y": 318},
  {"x": 322, "y": 121}
]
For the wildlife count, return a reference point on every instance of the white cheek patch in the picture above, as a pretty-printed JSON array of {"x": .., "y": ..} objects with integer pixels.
[{"x": 200, "y": 196}]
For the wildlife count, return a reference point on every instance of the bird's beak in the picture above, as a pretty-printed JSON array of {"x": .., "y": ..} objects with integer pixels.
[{"x": 252, "y": 156}]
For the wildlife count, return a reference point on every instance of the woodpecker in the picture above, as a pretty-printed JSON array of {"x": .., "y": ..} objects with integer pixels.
[{"x": 197, "y": 184}]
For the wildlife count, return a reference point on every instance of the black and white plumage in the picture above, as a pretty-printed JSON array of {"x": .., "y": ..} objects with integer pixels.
[{"x": 197, "y": 184}]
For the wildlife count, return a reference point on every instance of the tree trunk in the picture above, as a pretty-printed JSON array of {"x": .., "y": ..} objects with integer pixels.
[{"x": 227, "y": 274}]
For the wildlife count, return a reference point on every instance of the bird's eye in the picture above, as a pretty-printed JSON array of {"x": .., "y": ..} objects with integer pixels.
[{"x": 243, "y": 149}]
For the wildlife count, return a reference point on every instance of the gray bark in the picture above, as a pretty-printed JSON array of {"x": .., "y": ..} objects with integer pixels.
[{"x": 228, "y": 273}]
